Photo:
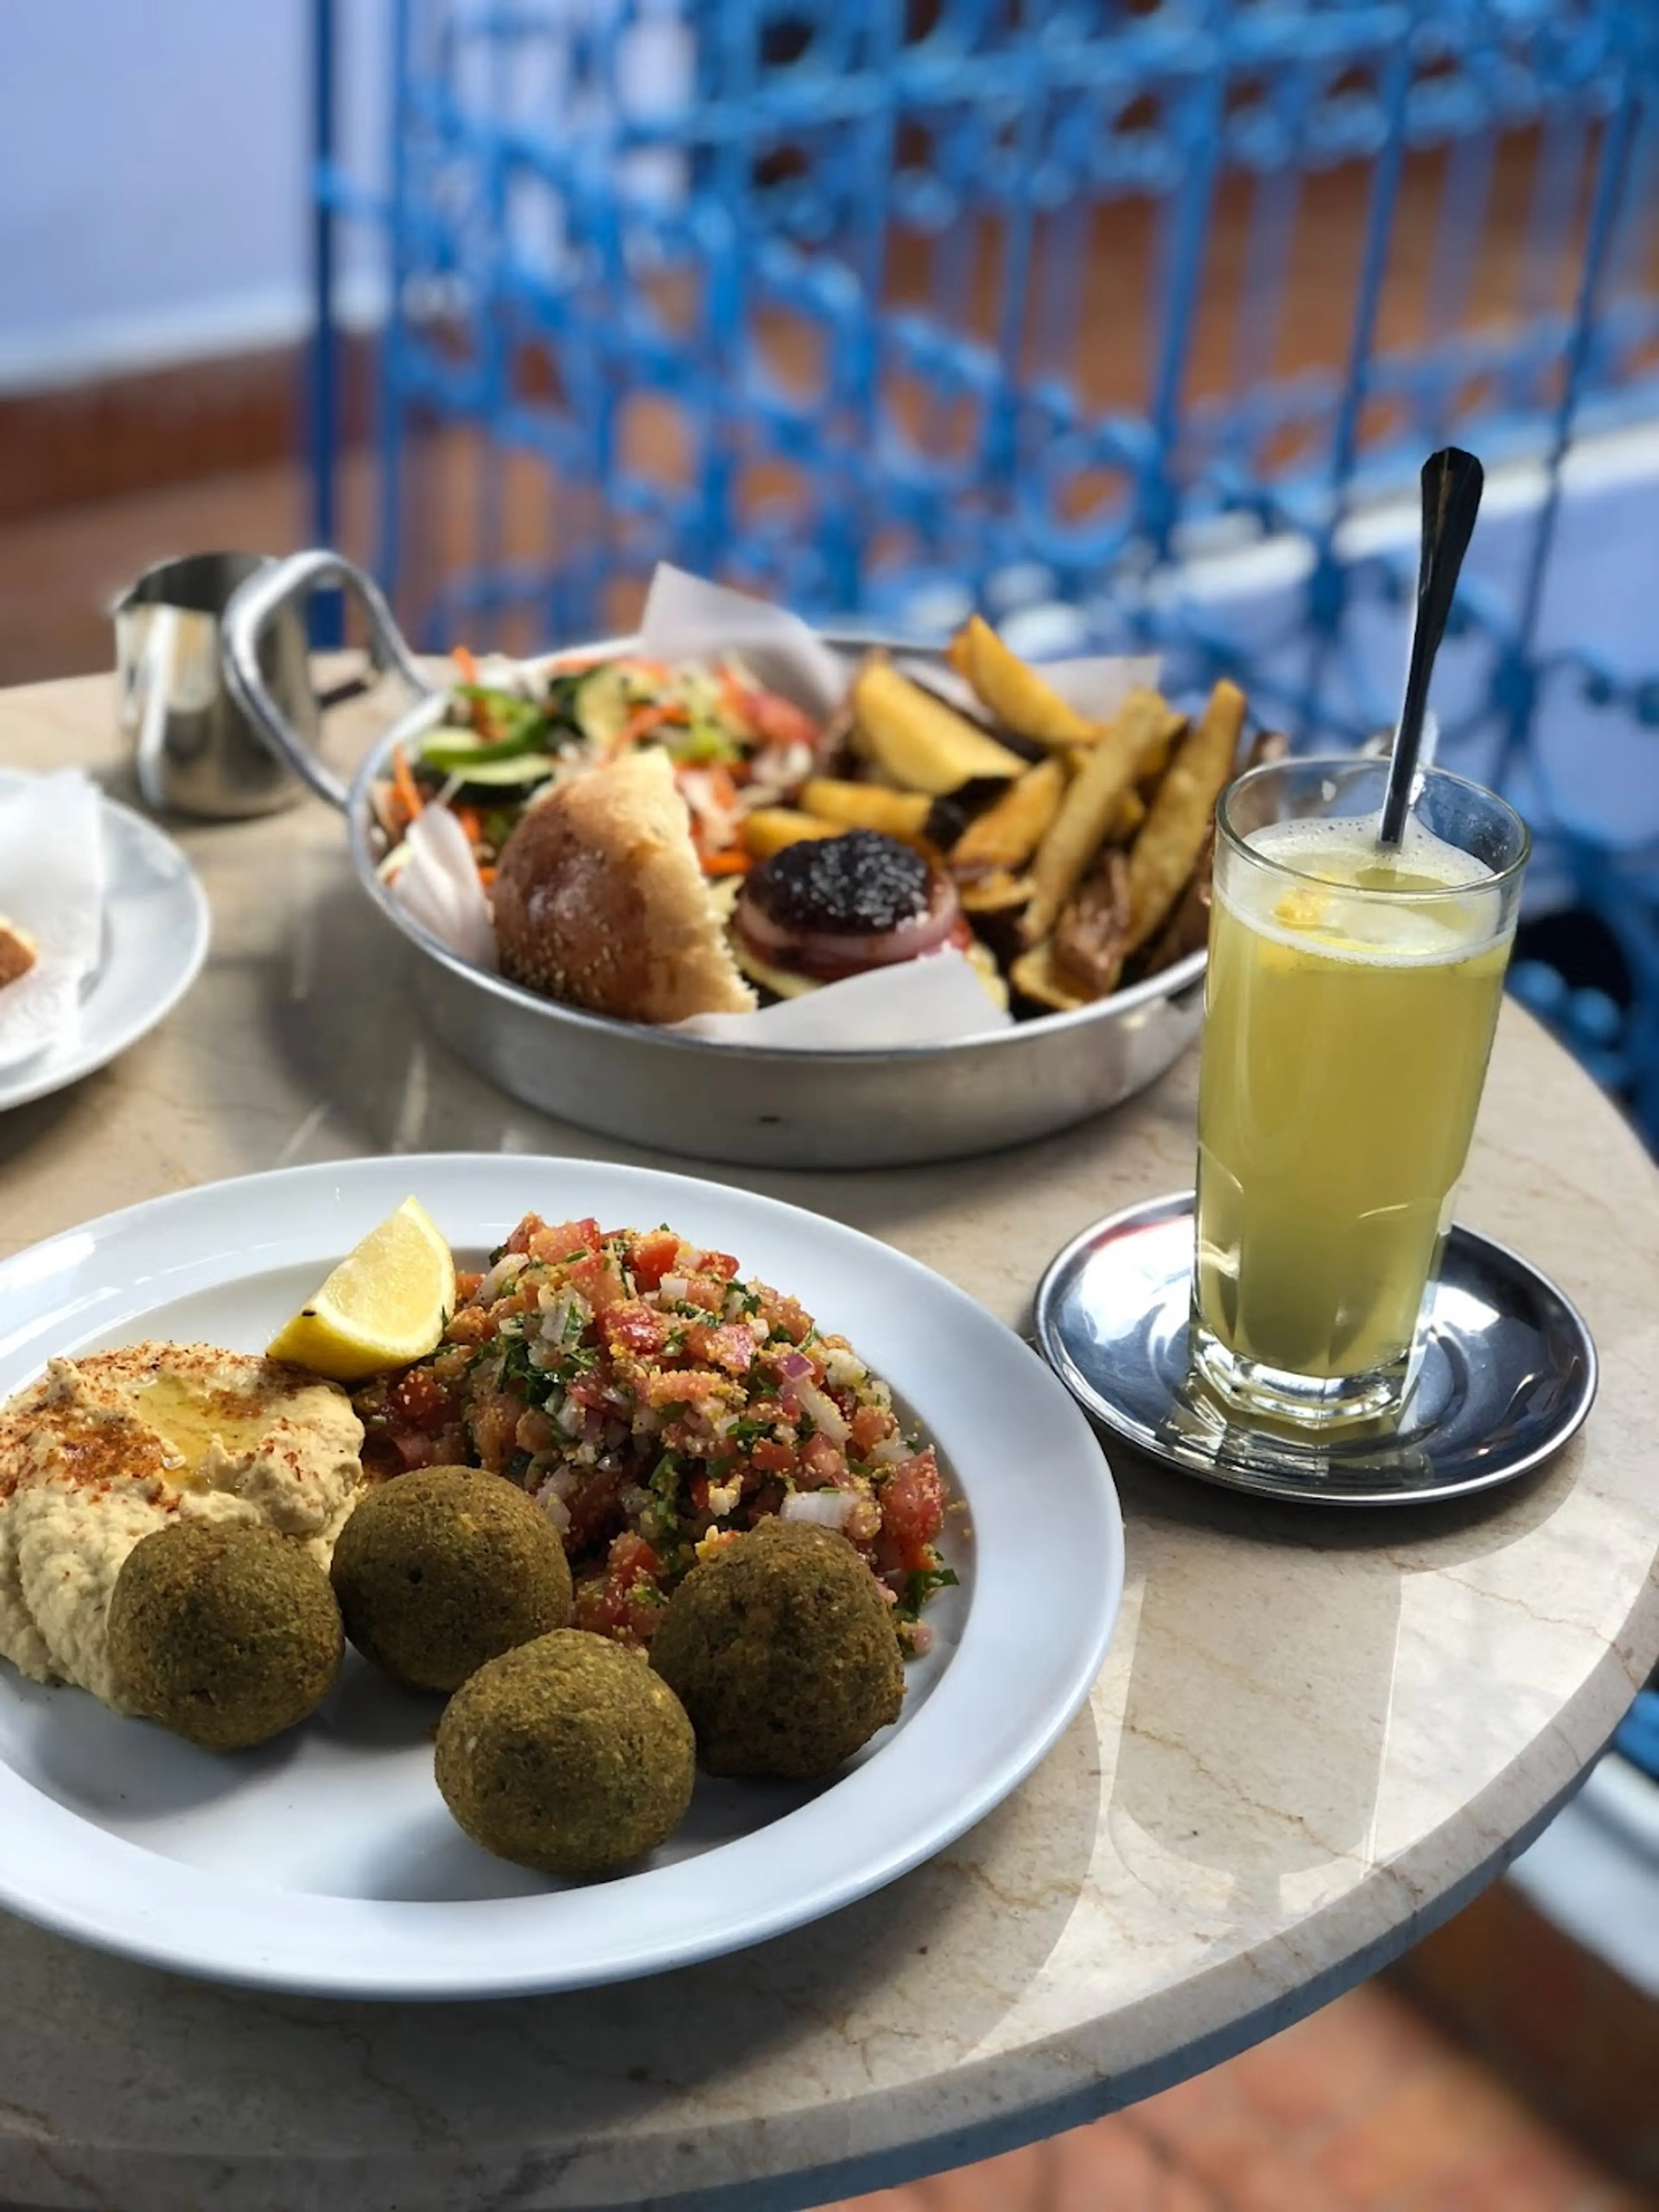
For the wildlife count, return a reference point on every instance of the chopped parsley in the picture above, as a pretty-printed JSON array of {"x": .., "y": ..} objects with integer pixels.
[{"x": 918, "y": 1587}]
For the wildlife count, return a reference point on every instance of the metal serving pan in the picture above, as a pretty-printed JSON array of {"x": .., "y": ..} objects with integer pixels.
[{"x": 755, "y": 1105}]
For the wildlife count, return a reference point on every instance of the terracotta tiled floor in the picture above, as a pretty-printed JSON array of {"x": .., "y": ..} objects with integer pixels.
[{"x": 1365, "y": 2107}]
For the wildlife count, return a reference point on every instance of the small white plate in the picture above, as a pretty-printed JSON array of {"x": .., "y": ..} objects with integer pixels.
[
  {"x": 156, "y": 937},
  {"x": 325, "y": 1862}
]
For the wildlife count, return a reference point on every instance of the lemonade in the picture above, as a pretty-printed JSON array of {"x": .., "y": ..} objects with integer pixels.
[{"x": 1352, "y": 998}]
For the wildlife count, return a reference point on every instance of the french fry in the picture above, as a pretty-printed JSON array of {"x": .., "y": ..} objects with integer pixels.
[
  {"x": 1000, "y": 892},
  {"x": 986, "y": 965},
  {"x": 1167, "y": 850},
  {"x": 1188, "y": 928},
  {"x": 1036, "y": 976},
  {"x": 1014, "y": 692},
  {"x": 1157, "y": 761},
  {"x": 1007, "y": 834},
  {"x": 921, "y": 742},
  {"x": 1130, "y": 813},
  {"x": 901, "y": 814},
  {"x": 769, "y": 828},
  {"x": 1092, "y": 932},
  {"x": 1076, "y": 835}
]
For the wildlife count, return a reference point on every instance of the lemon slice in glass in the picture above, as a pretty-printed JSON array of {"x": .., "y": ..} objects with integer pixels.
[{"x": 384, "y": 1305}]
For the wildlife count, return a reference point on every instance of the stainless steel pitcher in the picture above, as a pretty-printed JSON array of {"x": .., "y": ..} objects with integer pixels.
[{"x": 196, "y": 748}]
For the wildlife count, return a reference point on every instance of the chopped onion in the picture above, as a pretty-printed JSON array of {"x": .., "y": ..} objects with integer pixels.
[
  {"x": 675, "y": 1286},
  {"x": 554, "y": 1506},
  {"x": 829, "y": 1509},
  {"x": 827, "y": 1417},
  {"x": 501, "y": 1273},
  {"x": 791, "y": 1365},
  {"x": 891, "y": 1451},
  {"x": 558, "y": 1320}
]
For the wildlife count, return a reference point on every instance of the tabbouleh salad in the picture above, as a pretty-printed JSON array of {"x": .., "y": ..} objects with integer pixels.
[{"x": 656, "y": 1405}]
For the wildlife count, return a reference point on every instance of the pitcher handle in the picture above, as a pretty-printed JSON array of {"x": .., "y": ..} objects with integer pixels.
[{"x": 255, "y": 605}]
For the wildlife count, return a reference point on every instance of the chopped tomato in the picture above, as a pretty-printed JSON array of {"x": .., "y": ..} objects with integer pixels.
[
  {"x": 913, "y": 1507},
  {"x": 654, "y": 1257},
  {"x": 870, "y": 1426},
  {"x": 470, "y": 1325},
  {"x": 493, "y": 1422},
  {"x": 730, "y": 1346},
  {"x": 421, "y": 1401},
  {"x": 784, "y": 1317},
  {"x": 624, "y": 1600},
  {"x": 559, "y": 1241},
  {"x": 598, "y": 1279},
  {"x": 595, "y": 1509},
  {"x": 686, "y": 1386},
  {"x": 636, "y": 1328},
  {"x": 780, "y": 721},
  {"x": 822, "y": 1464}
]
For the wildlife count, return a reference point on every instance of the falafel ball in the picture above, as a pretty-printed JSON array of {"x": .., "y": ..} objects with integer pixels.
[
  {"x": 781, "y": 1648},
  {"x": 568, "y": 1755},
  {"x": 439, "y": 1571},
  {"x": 223, "y": 1632}
]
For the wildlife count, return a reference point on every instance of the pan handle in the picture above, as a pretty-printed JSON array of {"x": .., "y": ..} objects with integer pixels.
[{"x": 252, "y": 609}]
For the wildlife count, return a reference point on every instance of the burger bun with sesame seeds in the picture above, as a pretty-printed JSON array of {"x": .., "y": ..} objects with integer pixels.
[{"x": 600, "y": 900}]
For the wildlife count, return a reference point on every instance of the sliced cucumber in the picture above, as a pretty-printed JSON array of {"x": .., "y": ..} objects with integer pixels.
[{"x": 499, "y": 774}]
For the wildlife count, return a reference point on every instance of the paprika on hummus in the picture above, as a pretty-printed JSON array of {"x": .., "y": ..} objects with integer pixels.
[{"x": 103, "y": 1450}]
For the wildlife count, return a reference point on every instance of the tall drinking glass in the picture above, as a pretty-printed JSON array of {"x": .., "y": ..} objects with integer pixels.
[{"x": 1350, "y": 1002}]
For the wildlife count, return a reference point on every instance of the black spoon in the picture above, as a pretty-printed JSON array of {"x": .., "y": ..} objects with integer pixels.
[{"x": 1451, "y": 498}]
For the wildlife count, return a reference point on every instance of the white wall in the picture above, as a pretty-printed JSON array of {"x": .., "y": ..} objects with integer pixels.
[{"x": 153, "y": 178}]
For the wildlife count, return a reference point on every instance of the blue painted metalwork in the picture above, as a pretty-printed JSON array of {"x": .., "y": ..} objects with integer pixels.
[{"x": 822, "y": 295}]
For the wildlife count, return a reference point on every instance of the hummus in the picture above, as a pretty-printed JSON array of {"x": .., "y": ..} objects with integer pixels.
[{"x": 103, "y": 1450}]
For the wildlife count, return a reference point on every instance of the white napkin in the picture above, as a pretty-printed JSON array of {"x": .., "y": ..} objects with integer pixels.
[
  {"x": 934, "y": 1000},
  {"x": 52, "y": 884}
]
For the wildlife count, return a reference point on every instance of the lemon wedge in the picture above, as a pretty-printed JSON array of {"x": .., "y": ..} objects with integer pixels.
[{"x": 384, "y": 1305}]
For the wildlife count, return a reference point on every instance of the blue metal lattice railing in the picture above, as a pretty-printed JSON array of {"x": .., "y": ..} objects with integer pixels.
[{"x": 1127, "y": 321}]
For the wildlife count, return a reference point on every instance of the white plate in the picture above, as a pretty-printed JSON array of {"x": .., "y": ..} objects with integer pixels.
[
  {"x": 157, "y": 930},
  {"x": 325, "y": 1862}
]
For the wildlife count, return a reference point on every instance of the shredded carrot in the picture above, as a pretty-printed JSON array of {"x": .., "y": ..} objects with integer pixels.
[
  {"x": 486, "y": 877},
  {"x": 720, "y": 783},
  {"x": 472, "y": 823},
  {"x": 736, "y": 697},
  {"x": 654, "y": 712},
  {"x": 405, "y": 784},
  {"x": 734, "y": 863},
  {"x": 467, "y": 662}
]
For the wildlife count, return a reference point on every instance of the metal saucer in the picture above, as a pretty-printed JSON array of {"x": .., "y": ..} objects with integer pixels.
[{"x": 1507, "y": 1375}]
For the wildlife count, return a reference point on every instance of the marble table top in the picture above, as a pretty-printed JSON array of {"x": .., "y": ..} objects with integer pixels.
[{"x": 1314, "y": 1737}]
